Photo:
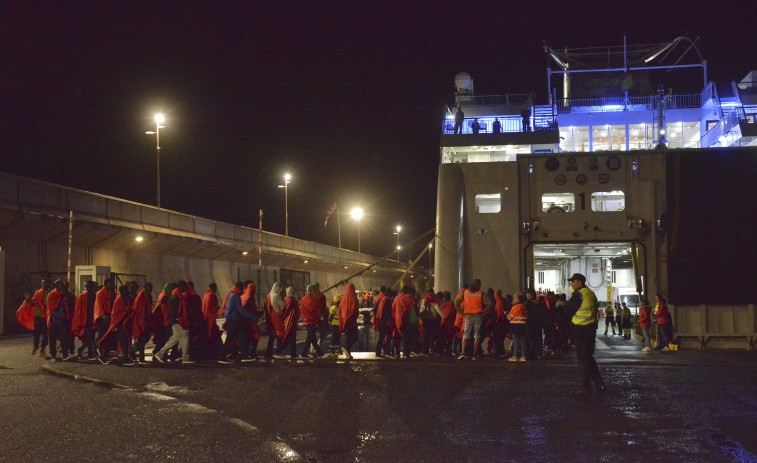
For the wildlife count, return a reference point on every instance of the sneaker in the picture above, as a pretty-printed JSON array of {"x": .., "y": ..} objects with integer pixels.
[
  {"x": 129, "y": 362},
  {"x": 513, "y": 359},
  {"x": 43, "y": 355},
  {"x": 35, "y": 349},
  {"x": 188, "y": 362},
  {"x": 345, "y": 352},
  {"x": 665, "y": 349},
  {"x": 523, "y": 359},
  {"x": 647, "y": 349},
  {"x": 102, "y": 360},
  {"x": 155, "y": 357},
  {"x": 462, "y": 357},
  {"x": 70, "y": 358}
]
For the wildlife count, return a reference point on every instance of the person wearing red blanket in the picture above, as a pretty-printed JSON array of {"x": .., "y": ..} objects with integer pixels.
[
  {"x": 382, "y": 322},
  {"x": 140, "y": 323},
  {"x": 290, "y": 315},
  {"x": 310, "y": 306},
  {"x": 273, "y": 306},
  {"x": 447, "y": 323},
  {"x": 196, "y": 322},
  {"x": 376, "y": 298},
  {"x": 58, "y": 319},
  {"x": 179, "y": 319},
  {"x": 249, "y": 304},
  {"x": 32, "y": 316},
  {"x": 160, "y": 319},
  {"x": 402, "y": 330},
  {"x": 237, "y": 325},
  {"x": 119, "y": 320},
  {"x": 83, "y": 324},
  {"x": 498, "y": 328},
  {"x": 431, "y": 317},
  {"x": 348, "y": 313},
  {"x": 323, "y": 327},
  {"x": 210, "y": 309},
  {"x": 103, "y": 307}
]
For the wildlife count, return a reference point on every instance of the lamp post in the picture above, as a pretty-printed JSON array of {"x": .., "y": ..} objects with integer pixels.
[
  {"x": 399, "y": 229},
  {"x": 285, "y": 186},
  {"x": 159, "y": 119},
  {"x": 357, "y": 214}
]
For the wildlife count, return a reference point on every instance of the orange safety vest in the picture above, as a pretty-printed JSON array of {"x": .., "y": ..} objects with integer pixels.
[{"x": 472, "y": 303}]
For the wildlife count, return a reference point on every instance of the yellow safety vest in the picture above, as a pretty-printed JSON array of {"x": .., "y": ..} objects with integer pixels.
[{"x": 587, "y": 313}]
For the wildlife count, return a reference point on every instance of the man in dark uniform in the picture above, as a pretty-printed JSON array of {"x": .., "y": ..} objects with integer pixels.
[
  {"x": 582, "y": 307},
  {"x": 459, "y": 118}
]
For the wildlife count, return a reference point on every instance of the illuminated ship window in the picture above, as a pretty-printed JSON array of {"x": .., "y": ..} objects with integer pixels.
[
  {"x": 488, "y": 204},
  {"x": 608, "y": 201},
  {"x": 558, "y": 202}
]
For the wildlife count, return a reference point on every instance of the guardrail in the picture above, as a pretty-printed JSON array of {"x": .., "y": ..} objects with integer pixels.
[
  {"x": 635, "y": 103},
  {"x": 510, "y": 124},
  {"x": 511, "y": 99},
  {"x": 722, "y": 128}
]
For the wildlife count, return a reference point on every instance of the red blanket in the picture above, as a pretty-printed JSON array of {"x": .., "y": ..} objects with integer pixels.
[{"x": 348, "y": 309}]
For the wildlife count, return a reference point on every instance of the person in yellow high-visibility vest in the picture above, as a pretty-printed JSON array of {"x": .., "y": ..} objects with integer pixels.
[{"x": 582, "y": 307}]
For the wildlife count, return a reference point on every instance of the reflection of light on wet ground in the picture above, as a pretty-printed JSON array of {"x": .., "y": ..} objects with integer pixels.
[
  {"x": 285, "y": 452},
  {"x": 534, "y": 432}
]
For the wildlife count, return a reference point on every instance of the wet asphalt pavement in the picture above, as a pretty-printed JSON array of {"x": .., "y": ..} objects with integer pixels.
[{"x": 680, "y": 406}]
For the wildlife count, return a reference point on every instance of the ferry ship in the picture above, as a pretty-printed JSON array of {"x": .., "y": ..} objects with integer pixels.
[{"x": 614, "y": 175}]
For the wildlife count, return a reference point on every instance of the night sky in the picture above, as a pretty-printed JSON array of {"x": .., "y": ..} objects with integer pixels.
[{"x": 346, "y": 96}]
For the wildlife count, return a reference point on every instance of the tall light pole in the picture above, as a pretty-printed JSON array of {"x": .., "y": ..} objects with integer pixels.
[
  {"x": 285, "y": 186},
  {"x": 159, "y": 119},
  {"x": 399, "y": 229},
  {"x": 357, "y": 214}
]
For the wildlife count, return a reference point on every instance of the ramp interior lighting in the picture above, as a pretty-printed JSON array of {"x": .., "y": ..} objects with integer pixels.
[
  {"x": 244, "y": 253},
  {"x": 139, "y": 239}
]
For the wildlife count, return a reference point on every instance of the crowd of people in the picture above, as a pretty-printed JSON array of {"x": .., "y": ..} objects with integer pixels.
[{"x": 118, "y": 324}]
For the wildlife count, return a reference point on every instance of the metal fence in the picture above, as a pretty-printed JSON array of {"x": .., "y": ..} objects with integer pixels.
[
  {"x": 515, "y": 99},
  {"x": 635, "y": 103}
]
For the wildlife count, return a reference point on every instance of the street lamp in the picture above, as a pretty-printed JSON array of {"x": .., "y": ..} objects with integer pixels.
[
  {"x": 285, "y": 186},
  {"x": 357, "y": 214},
  {"x": 159, "y": 119},
  {"x": 399, "y": 229}
]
